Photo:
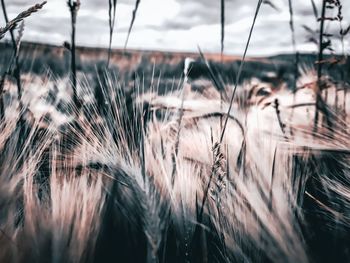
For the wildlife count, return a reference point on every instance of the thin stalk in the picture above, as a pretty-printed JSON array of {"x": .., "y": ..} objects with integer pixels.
[
  {"x": 296, "y": 59},
  {"x": 218, "y": 83},
  {"x": 10, "y": 26},
  {"x": 111, "y": 13},
  {"x": 14, "y": 22},
  {"x": 17, "y": 70},
  {"x": 222, "y": 48},
  {"x": 240, "y": 69},
  {"x": 73, "y": 59},
  {"x": 342, "y": 69},
  {"x": 314, "y": 9},
  {"x": 2, "y": 107},
  {"x": 74, "y": 7},
  {"x": 137, "y": 3},
  {"x": 292, "y": 29},
  {"x": 319, "y": 65},
  {"x": 222, "y": 27}
]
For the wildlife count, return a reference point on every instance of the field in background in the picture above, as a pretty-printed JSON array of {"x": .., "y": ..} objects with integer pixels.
[{"x": 41, "y": 59}]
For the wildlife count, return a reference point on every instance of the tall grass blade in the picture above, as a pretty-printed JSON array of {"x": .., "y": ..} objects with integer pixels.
[
  {"x": 216, "y": 82},
  {"x": 240, "y": 69},
  {"x": 111, "y": 13},
  {"x": 319, "y": 65},
  {"x": 134, "y": 12},
  {"x": 314, "y": 9},
  {"x": 222, "y": 27},
  {"x": 10, "y": 26},
  {"x": 74, "y": 8}
]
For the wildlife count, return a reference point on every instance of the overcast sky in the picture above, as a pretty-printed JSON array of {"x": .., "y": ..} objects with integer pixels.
[{"x": 177, "y": 25}]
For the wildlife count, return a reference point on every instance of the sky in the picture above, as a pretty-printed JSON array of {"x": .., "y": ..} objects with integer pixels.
[{"x": 179, "y": 25}]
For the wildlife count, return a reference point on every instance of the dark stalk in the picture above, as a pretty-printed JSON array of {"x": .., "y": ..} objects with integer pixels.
[
  {"x": 314, "y": 9},
  {"x": 343, "y": 33},
  {"x": 14, "y": 22},
  {"x": 17, "y": 70},
  {"x": 2, "y": 107},
  {"x": 222, "y": 47},
  {"x": 222, "y": 27},
  {"x": 134, "y": 12},
  {"x": 218, "y": 83},
  {"x": 342, "y": 72},
  {"x": 319, "y": 65},
  {"x": 111, "y": 13},
  {"x": 10, "y": 26},
  {"x": 73, "y": 8},
  {"x": 296, "y": 58},
  {"x": 279, "y": 119},
  {"x": 240, "y": 69},
  {"x": 292, "y": 29}
]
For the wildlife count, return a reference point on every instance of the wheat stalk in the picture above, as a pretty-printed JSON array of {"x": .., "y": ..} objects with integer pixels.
[
  {"x": 10, "y": 26},
  {"x": 219, "y": 174},
  {"x": 111, "y": 13},
  {"x": 74, "y": 8},
  {"x": 222, "y": 27},
  {"x": 134, "y": 12},
  {"x": 13, "y": 23},
  {"x": 240, "y": 69}
]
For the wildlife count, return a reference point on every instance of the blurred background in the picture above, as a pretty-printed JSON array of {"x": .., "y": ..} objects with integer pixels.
[{"x": 178, "y": 25}]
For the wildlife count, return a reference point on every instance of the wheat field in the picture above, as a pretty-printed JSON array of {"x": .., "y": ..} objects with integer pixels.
[{"x": 249, "y": 171}]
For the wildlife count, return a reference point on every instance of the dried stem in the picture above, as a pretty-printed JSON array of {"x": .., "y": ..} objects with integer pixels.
[
  {"x": 319, "y": 65},
  {"x": 111, "y": 12},
  {"x": 314, "y": 9},
  {"x": 132, "y": 21},
  {"x": 292, "y": 29},
  {"x": 10, "y": 26},
  {"x": 240, "y": 68},
  {"x": 74, "y": 8},
  {"x": 13, "y": 23},
  {"x": 222, "y": 27}
]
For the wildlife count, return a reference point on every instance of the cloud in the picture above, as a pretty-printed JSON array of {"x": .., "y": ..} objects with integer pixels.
[{"x": 176, "y": 24}]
